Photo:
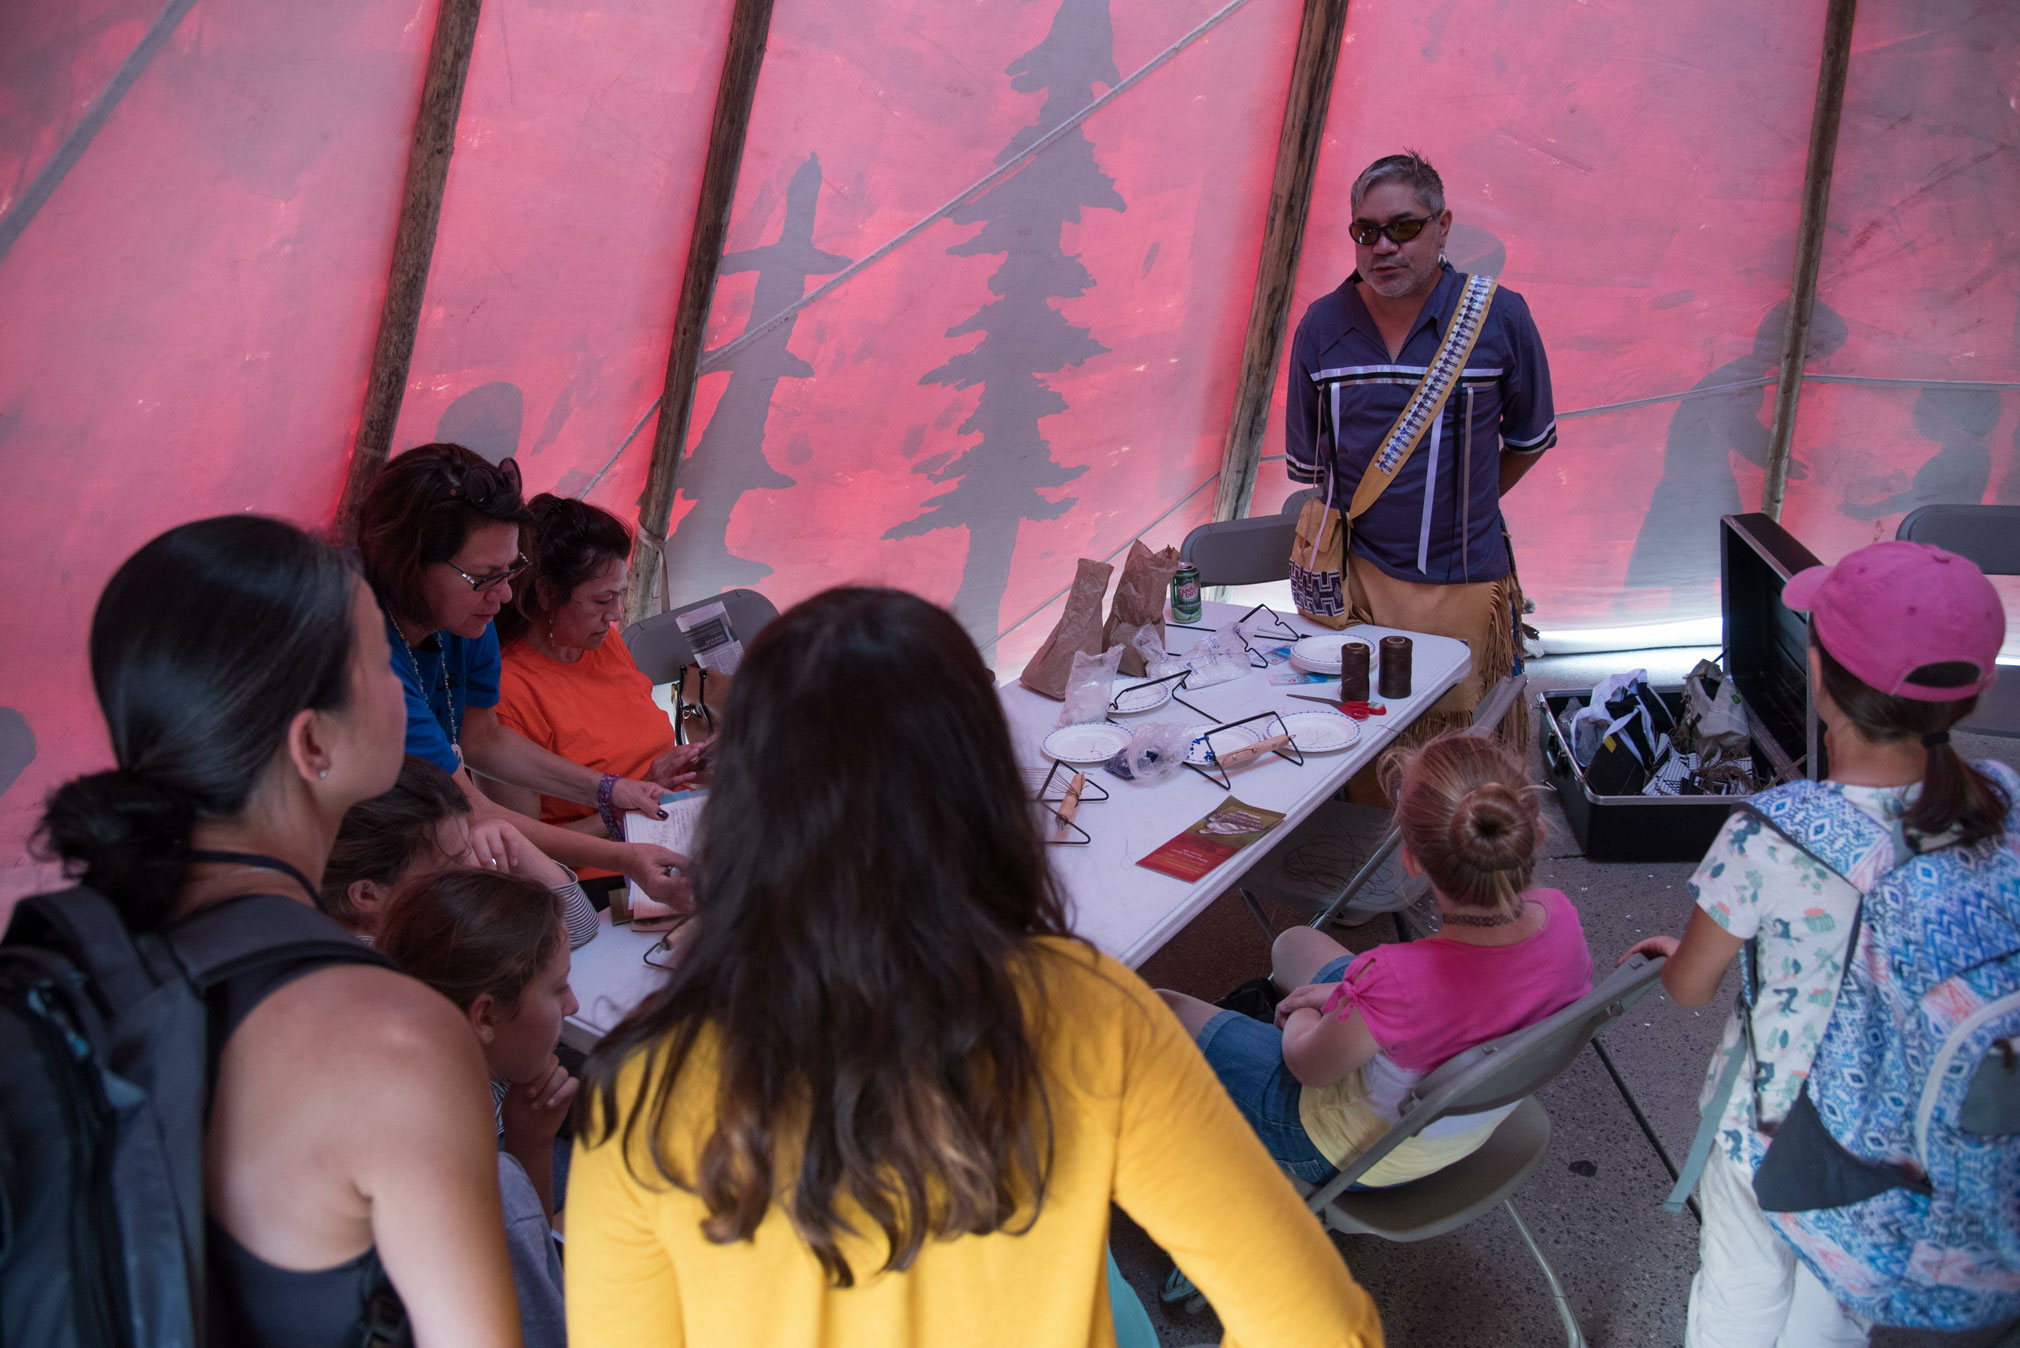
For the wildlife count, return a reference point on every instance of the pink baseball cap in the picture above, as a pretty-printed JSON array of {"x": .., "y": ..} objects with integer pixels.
[{"x": 1888, "y": 609}]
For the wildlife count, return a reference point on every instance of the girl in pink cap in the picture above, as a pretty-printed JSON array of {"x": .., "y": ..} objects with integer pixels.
[{"x": 1903, "y": 639}]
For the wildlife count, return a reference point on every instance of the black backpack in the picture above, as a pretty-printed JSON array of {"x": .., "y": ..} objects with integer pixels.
[{"x": 106, "y": 1050}]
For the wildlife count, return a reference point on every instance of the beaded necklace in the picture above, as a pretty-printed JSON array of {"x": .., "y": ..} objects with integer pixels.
[{"x": 448, "y": 694}]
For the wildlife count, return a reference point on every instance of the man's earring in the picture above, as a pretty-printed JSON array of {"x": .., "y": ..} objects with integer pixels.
[{"x": 322, "y": 773}]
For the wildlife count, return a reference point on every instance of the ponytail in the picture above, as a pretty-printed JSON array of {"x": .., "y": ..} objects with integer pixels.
[
  {"x": 1955, "y": 796},
  {"x": 125, "y": 836}
]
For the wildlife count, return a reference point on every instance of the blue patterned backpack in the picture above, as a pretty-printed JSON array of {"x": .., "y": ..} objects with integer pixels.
[{"x": 1896, "y": 1176}]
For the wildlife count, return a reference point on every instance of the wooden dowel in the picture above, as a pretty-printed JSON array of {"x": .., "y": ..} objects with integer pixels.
[
  {"x": 1234, "y": 758},
  {"x": 1071, "y": 805}
]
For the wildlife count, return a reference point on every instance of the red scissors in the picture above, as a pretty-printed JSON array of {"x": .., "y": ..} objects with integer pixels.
[{"x": 1359, "y": 711}]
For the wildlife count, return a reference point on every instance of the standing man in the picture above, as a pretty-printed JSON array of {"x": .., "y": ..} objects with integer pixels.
[{"x": 1428, "y": 553}]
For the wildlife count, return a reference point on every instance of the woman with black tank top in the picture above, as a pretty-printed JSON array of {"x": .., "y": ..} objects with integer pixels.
[{"x": 247, "y": 688}]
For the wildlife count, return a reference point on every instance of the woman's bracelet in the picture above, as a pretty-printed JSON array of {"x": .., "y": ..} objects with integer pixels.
[{"x": 612, "y": 825}]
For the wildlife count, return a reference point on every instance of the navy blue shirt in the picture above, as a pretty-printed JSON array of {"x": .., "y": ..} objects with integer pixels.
[
  {"x": 446, "y": 676},
  {"x": 1440, "y": 520}
]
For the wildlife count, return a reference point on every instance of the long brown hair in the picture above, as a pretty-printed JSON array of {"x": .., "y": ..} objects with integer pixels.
[
  {"x": 1470, "y": 819},
  {"x": 1954, "y": 794},
  {"x": 869, "y": 883}
]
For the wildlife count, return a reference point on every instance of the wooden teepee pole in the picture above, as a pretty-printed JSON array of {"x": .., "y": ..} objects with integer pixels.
[{"x": 750, "y": 26}]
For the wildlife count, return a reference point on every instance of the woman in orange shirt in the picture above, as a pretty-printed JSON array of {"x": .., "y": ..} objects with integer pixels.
[{"x": 569, "y": 683}]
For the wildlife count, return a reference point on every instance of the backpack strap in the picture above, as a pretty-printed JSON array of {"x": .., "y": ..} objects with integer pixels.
[
  {"x": 82, "y": 926},
  {"x": 238, "y": 936},
  {"x": 237, "y": 952},
  {"x": 1818, "y": 821}
]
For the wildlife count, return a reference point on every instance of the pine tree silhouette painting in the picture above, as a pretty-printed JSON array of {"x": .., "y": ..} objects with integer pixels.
[
  {"x": 728, "y": 460},
  {"x": 998, "y": 481}
]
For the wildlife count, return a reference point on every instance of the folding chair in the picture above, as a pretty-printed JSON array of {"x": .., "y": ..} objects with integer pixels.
[
  {"x": 1241, "y": 552},
  {"x": 1507, "y": 1071},
  {"x": 663, "y": 652},
  {"x": 1988, "y": 535},
  {"x": 1304, "y": 870}
]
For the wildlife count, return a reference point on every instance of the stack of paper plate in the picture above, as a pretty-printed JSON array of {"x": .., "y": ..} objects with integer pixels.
[{"x": 1319, "y": 655}]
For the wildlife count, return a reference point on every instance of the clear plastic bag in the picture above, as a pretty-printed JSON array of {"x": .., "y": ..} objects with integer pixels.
[
  {"x": 1156, "y": 662},
  {"x": 1090, "y": 685},
  {"x": 1218, "y": 657},
  {"x": 1154, "y": 752}
]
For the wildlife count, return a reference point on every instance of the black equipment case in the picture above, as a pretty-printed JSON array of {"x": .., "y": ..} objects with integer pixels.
[{"x": 1766, "y": 652}]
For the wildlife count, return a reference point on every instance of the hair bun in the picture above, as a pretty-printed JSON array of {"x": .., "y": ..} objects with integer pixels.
[
  {"x": 126, "y": 836},
  {"x": 1494, "y": 827}
]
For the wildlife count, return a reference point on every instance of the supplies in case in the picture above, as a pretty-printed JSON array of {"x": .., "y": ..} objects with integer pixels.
[{"x": 1757, "y": 717}]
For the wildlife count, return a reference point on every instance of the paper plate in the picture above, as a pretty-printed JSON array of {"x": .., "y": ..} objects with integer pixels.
[
  {"x": 1133, "y": 696},
  {"x": 1319, "y": 655},
  {"x": 1320, "y": 732},
  {"x": 1231, "y": 738},
  {"x": 1087, "y": 742}
]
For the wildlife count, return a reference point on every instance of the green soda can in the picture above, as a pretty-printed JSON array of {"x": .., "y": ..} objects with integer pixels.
[{"x": 1185, "y": 594}]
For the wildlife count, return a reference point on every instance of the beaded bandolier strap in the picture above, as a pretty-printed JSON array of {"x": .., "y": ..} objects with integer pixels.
[{"x": 1428, "y": 401}]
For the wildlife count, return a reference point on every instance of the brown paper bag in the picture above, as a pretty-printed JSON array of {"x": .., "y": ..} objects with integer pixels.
[
  {"x": 1139, "y": 602},
  {"x": 1079, "y": 629}
]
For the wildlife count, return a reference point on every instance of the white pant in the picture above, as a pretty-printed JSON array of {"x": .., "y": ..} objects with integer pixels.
[{"x": 1750, "y": 1290}]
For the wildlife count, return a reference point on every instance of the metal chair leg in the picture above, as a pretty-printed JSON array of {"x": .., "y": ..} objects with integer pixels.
[
  {"x": 1573, "y": 1336},
  {"x": 1256, "y": 912}
]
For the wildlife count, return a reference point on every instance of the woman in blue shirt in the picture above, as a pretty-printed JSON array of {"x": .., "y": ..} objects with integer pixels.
[{"x": 438, "y": 537}]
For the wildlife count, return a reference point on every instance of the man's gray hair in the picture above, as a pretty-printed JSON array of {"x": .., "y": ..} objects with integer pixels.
[{"x": 1410, "y": 169}]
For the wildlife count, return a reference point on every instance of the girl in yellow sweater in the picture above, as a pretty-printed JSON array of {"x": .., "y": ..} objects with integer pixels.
[{"x": 887, "y": 1098}]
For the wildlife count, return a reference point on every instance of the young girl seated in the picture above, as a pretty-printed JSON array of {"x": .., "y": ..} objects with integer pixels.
[
  {"x": 495, "y": 946},
  {"x": 421, "y": 826},
  {"x": 1354, "y": 1033}
]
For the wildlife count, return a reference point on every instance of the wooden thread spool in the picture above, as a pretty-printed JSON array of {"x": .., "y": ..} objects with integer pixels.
[
  {"x": 1354, "y": 660},
  {"x": 1395, "y": 680}
]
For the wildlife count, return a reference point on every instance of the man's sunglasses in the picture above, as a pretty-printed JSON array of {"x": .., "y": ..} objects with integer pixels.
[
  {"x": 1402, "y": 230},
  {"x": 491, "y": 582}
]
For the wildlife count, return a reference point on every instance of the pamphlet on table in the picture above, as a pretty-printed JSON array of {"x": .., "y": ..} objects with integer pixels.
[
  {"x": 1233, "y": 825},
  {"x": 679, "y": 831}
]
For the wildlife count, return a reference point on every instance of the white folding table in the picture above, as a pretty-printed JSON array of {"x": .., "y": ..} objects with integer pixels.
[{"x": 1125, "y": 909}]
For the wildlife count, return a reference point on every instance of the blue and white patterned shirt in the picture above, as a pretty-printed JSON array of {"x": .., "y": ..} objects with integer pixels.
[{"x": 1439, "y": 522}]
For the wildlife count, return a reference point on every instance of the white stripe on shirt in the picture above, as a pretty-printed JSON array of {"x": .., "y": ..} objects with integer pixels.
[{"x": 1430, "y": 496}]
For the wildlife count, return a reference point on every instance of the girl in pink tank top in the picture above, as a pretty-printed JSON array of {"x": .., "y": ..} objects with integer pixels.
[{"x": 1354, "y": 1033}]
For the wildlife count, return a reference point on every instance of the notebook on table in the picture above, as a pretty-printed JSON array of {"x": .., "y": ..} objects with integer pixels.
[{"x": 680, "y": 831}]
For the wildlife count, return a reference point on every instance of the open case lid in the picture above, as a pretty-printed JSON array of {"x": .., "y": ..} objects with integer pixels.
[{"x": 1766, "y": 642}]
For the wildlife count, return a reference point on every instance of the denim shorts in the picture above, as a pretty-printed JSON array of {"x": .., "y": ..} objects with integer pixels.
[{"x": 1248, "y": 1057}]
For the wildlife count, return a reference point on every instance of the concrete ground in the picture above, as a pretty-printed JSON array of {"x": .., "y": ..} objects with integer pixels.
[{"x": 1594, "y": 1205}]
